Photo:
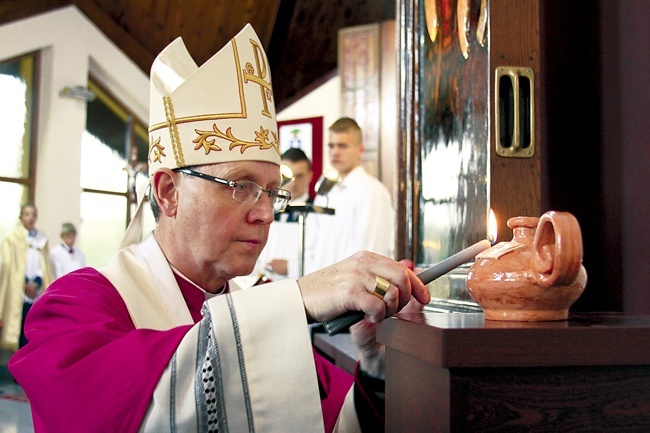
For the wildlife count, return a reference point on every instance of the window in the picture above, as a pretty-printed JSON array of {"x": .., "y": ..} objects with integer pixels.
[
  {"x": 17, "y": 129},
  {"x": 113, "y": 165}
]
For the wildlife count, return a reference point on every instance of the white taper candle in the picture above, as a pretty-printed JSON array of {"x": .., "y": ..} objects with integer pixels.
[{"x": 452, "y": 262}]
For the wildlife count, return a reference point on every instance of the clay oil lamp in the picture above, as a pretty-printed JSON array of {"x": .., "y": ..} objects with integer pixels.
[{"x": 536, "y": 276}]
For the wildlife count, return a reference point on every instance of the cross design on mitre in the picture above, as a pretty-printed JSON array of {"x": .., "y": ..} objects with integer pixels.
[{"x": 259, "y": 79}]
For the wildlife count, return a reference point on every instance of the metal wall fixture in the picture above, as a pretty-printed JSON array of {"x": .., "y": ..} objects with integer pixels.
[
  {"x": 514, "y": 94},
  {"x": 78, "y": 92}
]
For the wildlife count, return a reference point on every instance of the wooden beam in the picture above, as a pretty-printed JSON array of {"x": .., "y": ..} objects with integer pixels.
[
  {"x": 120, "y": 37},
  {"x": 17, "y": 10}
]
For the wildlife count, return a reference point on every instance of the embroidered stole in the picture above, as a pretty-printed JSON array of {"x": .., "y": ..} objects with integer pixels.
[{"x": 232, "y": 372}]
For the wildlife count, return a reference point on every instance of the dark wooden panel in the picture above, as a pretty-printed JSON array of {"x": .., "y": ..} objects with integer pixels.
[
  {"x": 514, "y": 41},
  {"x": 204, "y": 26},
  {"x": 574, "y": 175},
  {"x": 567, "y": 399},
  {"x": 416, "y": 381},
  {"x": 468, "y": 340},
  {"x": 422, "y": 397},
  {"x": 576, "y": 385}
]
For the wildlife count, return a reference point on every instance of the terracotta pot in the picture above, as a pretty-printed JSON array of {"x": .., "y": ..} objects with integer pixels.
[{"x": 539, "y": 278}]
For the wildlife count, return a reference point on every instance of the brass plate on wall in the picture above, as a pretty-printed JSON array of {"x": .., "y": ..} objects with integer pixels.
[{"x": 514, "y": 102}]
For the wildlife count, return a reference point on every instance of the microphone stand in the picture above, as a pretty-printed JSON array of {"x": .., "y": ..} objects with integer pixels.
[
  {"x": 328, "y": 179},
  {"x": 304, "y": 209}
]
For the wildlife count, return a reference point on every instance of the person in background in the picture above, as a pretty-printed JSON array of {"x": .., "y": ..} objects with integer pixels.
[
  {"x": 65, "y": 256},
  {"x": 364, "y": 218},
  {"x": 184, "y": 348},
  {"x": 279, "y": 259},
  {"x": 300, "y": 166},
  {"x": 25, "y": 273}
]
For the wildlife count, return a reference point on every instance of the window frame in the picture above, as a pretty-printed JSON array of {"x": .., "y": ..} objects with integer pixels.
[
  {"x": 30, "y": 181},
  {"x": 94, "y": 81}
]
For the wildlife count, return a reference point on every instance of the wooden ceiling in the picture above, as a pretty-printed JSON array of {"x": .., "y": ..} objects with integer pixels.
[{"x": 300, "y": 36}]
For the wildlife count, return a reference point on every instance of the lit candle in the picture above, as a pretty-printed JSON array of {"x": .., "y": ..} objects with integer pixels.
[
  {"x": 464, "y": 256},
  {"x": 452, "y": 262},
  {"x": 343, "y": 322}
]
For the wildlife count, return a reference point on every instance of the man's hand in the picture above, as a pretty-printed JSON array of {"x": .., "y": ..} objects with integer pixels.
[
  {"x": 279, "y": 266},
  {"x": 349, "y": 285},
  {"x": 372, "y": 355}
]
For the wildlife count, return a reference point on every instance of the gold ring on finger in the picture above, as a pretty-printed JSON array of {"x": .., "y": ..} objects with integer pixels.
[{"x": 381, "y": 287}]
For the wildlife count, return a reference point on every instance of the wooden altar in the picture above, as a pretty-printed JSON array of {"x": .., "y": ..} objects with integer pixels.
[{"x": 457, "y": 372}]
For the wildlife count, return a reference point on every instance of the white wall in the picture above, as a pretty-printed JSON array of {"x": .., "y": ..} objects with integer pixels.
[
  {"x": 72, "y": 48},
  {"x": 325, "y": 101}
]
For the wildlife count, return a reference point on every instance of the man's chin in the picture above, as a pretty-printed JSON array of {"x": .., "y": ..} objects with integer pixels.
[{"x": 242, "y": 271}]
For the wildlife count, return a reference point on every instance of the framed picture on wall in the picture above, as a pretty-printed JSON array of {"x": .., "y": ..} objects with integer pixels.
[{"x": 307, "y": 135}]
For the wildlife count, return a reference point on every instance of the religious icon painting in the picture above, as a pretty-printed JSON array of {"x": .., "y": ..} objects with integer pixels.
[{"x": 307, "y": 135}]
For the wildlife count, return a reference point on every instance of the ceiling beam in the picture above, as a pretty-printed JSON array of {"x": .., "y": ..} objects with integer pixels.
[
  {"x": 16, "y": 10},
  {"x": 125, "y": 42}
]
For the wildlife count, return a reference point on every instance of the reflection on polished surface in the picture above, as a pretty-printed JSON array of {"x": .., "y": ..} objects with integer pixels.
[
  {"x": 478, "y": 321},
  {"x": 454, "y": 137}
]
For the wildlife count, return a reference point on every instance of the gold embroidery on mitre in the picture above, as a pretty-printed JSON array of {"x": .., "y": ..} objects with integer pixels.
[
  {"x": 173, "y": 132},
  {"x": 262, "y": 140},
  {"x": 156, "y": 151},
  {"x": 259, "y": 79},
  {"x": 242, "y": 114},
  {"x": 204, "y": 141}
]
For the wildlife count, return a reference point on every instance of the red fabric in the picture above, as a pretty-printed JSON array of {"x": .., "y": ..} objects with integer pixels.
[
  {"x": 369, "y": 405},
  {"x": 334, "y": 384},
  {"x": 86, "y": 368}
]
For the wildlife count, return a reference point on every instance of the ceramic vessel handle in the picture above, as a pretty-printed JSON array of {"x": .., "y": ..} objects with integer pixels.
[{"x": 558, "y": 249}]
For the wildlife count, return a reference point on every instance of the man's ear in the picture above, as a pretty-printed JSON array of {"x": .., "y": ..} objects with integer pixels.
[{"x": 165, "y": 188}]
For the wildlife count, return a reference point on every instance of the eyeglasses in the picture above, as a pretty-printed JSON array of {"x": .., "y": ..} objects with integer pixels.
[{"x": 246, "y": 191}]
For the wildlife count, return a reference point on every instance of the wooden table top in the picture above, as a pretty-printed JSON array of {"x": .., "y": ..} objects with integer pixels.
[
  {"x": 451, "y": 340},
  {"x": 339, "y": 348}
]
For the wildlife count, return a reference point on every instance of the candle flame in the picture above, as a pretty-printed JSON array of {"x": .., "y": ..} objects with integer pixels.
[{"x": 492, "y": 227}]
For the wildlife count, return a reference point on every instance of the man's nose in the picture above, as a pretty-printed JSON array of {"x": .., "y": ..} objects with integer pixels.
[{"x": 264, "y": 210}]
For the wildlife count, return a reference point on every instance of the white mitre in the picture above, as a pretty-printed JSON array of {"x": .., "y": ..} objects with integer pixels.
[{"x": 221, "y": 112}]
